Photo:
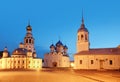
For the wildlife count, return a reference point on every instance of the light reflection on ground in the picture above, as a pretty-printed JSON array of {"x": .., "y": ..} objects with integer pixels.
[{"x": 59, "y": 76}]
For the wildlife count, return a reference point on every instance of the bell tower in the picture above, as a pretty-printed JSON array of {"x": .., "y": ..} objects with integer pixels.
[
  {"x": 82, "y": 38},
  {"x": 29, "y": 40}
]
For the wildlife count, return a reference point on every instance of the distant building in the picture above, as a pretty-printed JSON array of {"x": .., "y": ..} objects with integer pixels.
[
  {"x": 23, "y": 57},
  {"x": 57, "y": 57},
  {"x": 101, "y": 58},
  {"x": 71, "y": 64}
]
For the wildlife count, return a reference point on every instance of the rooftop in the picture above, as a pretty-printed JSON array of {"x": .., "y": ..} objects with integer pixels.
[{"x": 101, "y": 51}]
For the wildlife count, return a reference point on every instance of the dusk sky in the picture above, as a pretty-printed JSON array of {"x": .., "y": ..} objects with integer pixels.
[{"x": 52, "y": 20}]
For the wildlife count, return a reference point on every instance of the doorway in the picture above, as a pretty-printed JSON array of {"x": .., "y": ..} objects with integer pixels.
[
  {"x": 101, "y": 64},
  {"x": 54, "y": 64}
]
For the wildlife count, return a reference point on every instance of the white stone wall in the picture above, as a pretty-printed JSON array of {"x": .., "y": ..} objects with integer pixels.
[
  {"x": 37, "y": 63},
  {"x": 61, "y": 60},
  {"x": 82, "y": 42},
  {"x": 20, "y": 63},
  {"x": 97, "y": 60},
  {"x": 65, "y": 61},
  {"x": 34, "y": 63},
  {"x": 50, "y": 58},
  {"x": 4, "y": 63}
]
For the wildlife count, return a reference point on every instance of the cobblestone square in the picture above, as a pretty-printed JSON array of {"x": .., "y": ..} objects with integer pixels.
[{"x": 59, "y": 76}]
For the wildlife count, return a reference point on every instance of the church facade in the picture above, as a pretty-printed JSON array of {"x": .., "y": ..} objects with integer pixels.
[
  {"x": 100, "y": 58},
  {"x": 57, "y": 57},
  {"x": 24, "y": 57}
]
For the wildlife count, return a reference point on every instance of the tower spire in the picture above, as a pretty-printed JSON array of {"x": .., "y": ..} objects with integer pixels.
[
  {"x": 29, "y": 22},
  {"x": 29, "y": 28},
  {"x": 82, "y": 17}
]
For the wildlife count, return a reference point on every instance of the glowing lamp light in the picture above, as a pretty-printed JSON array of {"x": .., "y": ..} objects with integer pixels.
[{"x": 72, "y": 64}]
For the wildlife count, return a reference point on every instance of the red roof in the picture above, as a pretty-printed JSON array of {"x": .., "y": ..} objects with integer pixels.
[{"x": 100, "y": 51}]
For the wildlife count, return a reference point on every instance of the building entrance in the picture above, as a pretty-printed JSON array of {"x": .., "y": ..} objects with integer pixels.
[
  {"x": 101, "y": 64},
  {"x": 54, "y": 64}
]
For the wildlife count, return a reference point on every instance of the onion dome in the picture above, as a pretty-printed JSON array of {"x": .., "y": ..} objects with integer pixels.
[
  {"x": 52, "y": 46},
  {"x": 29, "y": 28},
  {"x": 5, "y": 49},
  {"x": 65, "y": 47},
  {"x": 59, "y": 43},
  {"x": 19, "y": 51},
  {"x": 21, "y": 45}
]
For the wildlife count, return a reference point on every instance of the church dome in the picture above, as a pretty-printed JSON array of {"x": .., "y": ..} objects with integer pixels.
[
  {"x": 82, "y": 28},
  {"x": 19, "y": 51},
  {"x": 29, "y": 28},
  {"x": 65, "y": 47},
  {"x": 52, "y": 46},
  {"x": 5, "y": 50},
  {"x": 59, "y": 43}
]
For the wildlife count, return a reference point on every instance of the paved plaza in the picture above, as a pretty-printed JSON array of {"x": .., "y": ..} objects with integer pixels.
[{"x": 59, "y": 76}]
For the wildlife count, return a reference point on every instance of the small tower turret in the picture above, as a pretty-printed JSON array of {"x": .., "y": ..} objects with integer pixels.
[
  {"x": 65, "y": 49},
  {"x": 5, "y": 53},
  {"x": 21, "y": 45},
  {"x": 29, "y": 53},
  {"x": 52, "y": 48},
  {"x": 59, "y": 46}
]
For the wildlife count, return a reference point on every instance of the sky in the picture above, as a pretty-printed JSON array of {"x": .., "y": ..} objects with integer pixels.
[{"x": 54, "y": 20}]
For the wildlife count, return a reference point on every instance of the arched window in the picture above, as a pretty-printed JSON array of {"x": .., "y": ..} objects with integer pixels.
[
  {"x": 18, "y": 61},
  {"x": 110, "y": 62},
  {"x": 29, "y": 40},
  {"x": 26, "y": 40},
  {"x": 29, "y": 62},
  {"x": 80, "y": 61},
  {"x": 23, "y": 61},
  {"x": 92, "y": 61},
  {"x": 81, "y": 37},
  {"x": 86, "y": 37}
]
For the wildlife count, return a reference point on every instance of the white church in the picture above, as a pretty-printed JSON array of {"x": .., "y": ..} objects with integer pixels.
[
  {"x": 23, "y": 57},
  {"x": 58, "y": 56},
  {"x": 94, "y": 59}
]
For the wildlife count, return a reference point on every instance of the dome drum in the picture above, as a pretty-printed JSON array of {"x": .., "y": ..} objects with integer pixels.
[{"x": 19, "y": 51}]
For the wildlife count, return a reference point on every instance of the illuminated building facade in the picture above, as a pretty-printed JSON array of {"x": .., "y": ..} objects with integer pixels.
[
  {"x": 100, "y": 58},
  {"x": 23, "y": 57},
  {"x": 57, "y": 57}
]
